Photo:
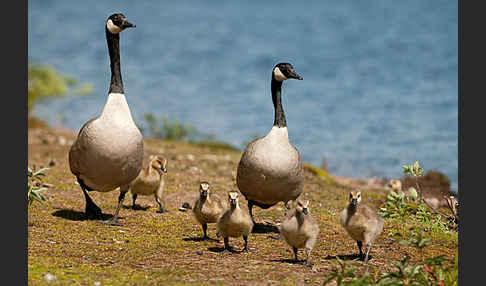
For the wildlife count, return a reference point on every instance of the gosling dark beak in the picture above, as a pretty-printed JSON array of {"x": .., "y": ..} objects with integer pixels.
[
  {"x": 305, "y": 211},
  {"x": 127, "y": 24},
  {"x": 293, "y": 74}
]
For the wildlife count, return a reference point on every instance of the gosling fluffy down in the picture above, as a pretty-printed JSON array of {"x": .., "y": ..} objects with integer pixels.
[
  {"x": 300, "y": 230},
  {"x": 150, "y": 181},
  {"x": 235, "y": 222},
  {"x": 361, "y": 222},
  {"x": 208, "y": 208}
]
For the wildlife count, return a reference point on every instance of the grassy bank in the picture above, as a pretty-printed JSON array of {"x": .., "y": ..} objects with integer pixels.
[{"x": 155, "y": 249}]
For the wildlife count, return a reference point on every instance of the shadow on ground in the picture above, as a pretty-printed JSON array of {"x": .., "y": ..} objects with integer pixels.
[
  {"x": 137, "y": 208},
  {"x": 264, "y": 228},
  {"x": 289, "y": 260},
  {"x": 221, "y": 249},
  {"x": 77, "y": 215},
  {"x": 199, "y": 239},
  {"x": 347, "y": 257}
]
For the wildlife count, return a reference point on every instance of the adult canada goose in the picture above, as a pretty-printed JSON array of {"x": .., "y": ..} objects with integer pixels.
[
  {"x": 270, "y": 169},
  {"x": 108, "y": 151}
]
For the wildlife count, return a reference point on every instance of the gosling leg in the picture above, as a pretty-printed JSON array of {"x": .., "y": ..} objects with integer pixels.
[
  {"x": 246, "y": 249},
  {"x": 368, "y": 248},
  {"x": 308, "y": 253},
  {"x": 205, "y": 231},
  {"x": 161, "y": 206}
]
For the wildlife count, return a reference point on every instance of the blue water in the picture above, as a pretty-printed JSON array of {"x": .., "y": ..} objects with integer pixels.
[{"x": 380, "y": 84}]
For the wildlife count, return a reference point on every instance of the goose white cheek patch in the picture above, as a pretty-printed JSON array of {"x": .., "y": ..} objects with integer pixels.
[
  {"x": 114, "y": 29},
  {"x": 279, "y": 75}
]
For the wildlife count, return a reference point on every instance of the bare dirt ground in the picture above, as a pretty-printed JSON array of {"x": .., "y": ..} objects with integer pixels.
[{"x": 64, "y": 248}]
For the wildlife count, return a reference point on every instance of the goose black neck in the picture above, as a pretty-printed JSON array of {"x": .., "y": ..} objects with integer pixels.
[
  {"x": 116, "y": 84},
  {"x": 300, "y": 217},
  {"x": 277, "y": 103}
]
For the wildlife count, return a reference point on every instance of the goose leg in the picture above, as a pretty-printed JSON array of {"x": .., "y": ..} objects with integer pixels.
[
  {"x": 360, "y": 244},
  {"x": 250, "y": 209},
  {"x": 134, "y": 196},
  {"x": 246, "y": 249},
  {"x": 92, "y": 210},
  {"x": 295, "y": 253},
  {"x": 121, "y": 197}
]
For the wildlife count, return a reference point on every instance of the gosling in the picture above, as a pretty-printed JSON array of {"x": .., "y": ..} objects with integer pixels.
[
  {"x": 151, "y": 182},
  {"x": 361, "y": 222},
  {"x": 208, "y": 208},
  {"x": 396, "y": 186},
  {"x": 432, "y": 201},
  {"x": 235, "y": 222},
  {"x": 300, "y": 230}
]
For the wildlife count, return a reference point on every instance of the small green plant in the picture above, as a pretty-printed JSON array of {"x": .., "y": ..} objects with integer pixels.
[
  {"x": 405, "y": 274},
  {"x": 417, "y": 240},
  {"x": 436, "y": 221},
  {"x": 343, "y": 275},
  {"x": 395, "y": 206},
  {"x": 45, "y": 82},
  {"x": 169, "y": 130},
  {"x": 34, "y": 191},
  {"x": 438, "y": 270},
  {"x": 413, "y": 169},
  {"x": 181, "y": 132}
]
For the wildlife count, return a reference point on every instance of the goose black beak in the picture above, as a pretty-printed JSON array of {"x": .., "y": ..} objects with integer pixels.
[
  {"x": 293, "y": 74},
  {"x": 164, "y": 169},
  {"x": 354, "y": 202},
  {"x": 127, "y": 24},
  {"x": 305, "y": 211},
  {"x": 233, "y": 202},
  {"x": 204, "y": 193}
]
